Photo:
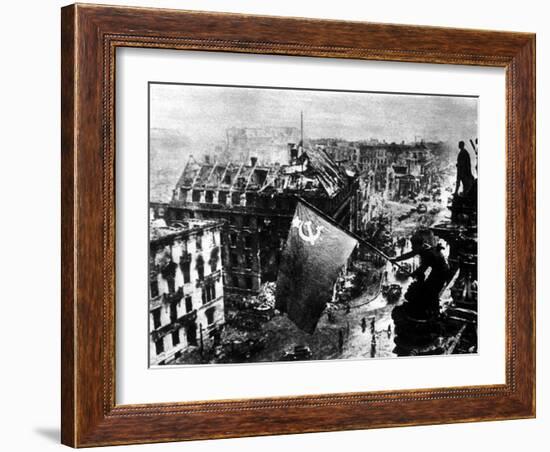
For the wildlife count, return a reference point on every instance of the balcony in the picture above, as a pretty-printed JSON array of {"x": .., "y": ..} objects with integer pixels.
[
  {"x": 215, "y": 276},
  {"x": 182, "y": 321},
  {"x": 186, "y": 319},
  {"x": 155, "y": 302},
  {"x": 173, "y": 297}
]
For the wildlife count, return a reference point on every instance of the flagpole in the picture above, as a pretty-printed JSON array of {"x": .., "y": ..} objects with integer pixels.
[{"x": 351, "y": 234}]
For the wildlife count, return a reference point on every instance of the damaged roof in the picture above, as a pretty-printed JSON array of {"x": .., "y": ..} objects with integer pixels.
[
  {"x": 315, "y": 170},
  {"x": 329, "y": 174}
]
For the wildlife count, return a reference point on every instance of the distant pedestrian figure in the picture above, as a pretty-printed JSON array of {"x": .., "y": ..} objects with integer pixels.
[
  {"x": 373, "y": 347},
  {"x": 463, "y": 170},
  {"x": 363, "y": 324},
  {"x": 372, "y": 327}
]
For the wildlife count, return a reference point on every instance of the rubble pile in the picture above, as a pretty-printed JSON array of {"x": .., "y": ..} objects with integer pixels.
[
  {"x": 266, "y": 296},
  {"x": 237, "y": 345},
  {"x": 253, "y": 310}
]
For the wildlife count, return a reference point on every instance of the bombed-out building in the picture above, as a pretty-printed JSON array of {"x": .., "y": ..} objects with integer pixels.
[
  {"x": 341, "y": 151},
  {"x": 256, "y": 203},
  {"x": 397, "y": 170},
  {"x": 186, "y": 296},
  {"x": 268, "y": 145}
]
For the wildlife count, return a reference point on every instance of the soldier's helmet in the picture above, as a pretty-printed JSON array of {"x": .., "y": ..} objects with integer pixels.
[{"x": 422, "y": 239}]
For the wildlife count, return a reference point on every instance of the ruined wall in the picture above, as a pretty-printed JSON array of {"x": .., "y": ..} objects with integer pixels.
[
  {"x": 268, "y": 144},
  {"x": 185, "y": 282}
]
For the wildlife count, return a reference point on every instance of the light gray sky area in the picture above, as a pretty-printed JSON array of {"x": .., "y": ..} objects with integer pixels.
[
  {"x": 192, "y": 120},
  {"x": 201, "y": 114}
]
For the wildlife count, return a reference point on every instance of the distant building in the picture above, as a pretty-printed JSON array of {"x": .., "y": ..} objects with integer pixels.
[
  {"x": 268, "y": 145},
  {"x": 341, "y": 151},
  {"x": 257, "y": 203},
  {"x": 186, "y": 297},
  {"x": 397, "y": 170}
]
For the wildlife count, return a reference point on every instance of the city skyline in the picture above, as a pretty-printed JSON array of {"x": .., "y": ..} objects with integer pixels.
[
  {"x": 199, "y": 115},
  {"x": 262, "y": 250}
]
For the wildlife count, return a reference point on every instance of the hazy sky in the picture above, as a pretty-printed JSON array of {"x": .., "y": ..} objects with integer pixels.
[{"x": 203, "y": 113}]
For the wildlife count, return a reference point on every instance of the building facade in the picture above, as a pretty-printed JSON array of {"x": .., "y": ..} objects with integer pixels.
[
  {"x": 186, "y": 296},
  {"x": 397, "y": 170},
  {"x": 268, "y": 145},
  {"x": 257, "y": 203}
]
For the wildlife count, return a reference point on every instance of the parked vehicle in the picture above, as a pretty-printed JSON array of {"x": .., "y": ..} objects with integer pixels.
[
  {"x": 298, "y": 353},
  {"x": 244, "y": 349}
]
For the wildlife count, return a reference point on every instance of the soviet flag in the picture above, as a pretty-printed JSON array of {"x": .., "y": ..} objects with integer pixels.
[{"x": 315, "y": 252}]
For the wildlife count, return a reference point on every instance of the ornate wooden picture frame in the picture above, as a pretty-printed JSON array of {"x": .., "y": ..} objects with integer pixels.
[{"x": 90, "y": 37}]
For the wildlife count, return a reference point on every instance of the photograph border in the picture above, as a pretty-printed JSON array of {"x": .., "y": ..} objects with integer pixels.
[
  {"x": 90, "y": 36},
  {"x": 273, "y": 88}
]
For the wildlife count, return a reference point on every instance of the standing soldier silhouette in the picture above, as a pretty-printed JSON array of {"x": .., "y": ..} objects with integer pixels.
[{"x": 463, "y": 170}]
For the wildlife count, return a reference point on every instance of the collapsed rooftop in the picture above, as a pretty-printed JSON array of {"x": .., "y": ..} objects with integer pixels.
[{"x": 309, "y": 172}]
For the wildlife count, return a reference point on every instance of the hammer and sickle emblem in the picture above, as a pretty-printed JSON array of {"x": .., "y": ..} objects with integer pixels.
[{"x": 305, "y": 231}]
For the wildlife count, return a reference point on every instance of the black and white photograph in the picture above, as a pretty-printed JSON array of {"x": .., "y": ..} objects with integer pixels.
[
  {"x": 291, "y": 224},
  {"x": 239, "y": 225}
]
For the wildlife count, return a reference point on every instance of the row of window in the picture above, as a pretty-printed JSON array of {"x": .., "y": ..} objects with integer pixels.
[
  {"x": 168, "y": 272},
  {"x": 209, "y": 291},
  {"x": 234, "y": 238},
  {"x": 190, "y": 331},
  {"x": 208, "y": 294},
  {"x": 159, "y": 343},
  {"x": 245, "y": 282},
  {"x": 237, "y": 199},
  {"x": 248, "y": 260}
]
